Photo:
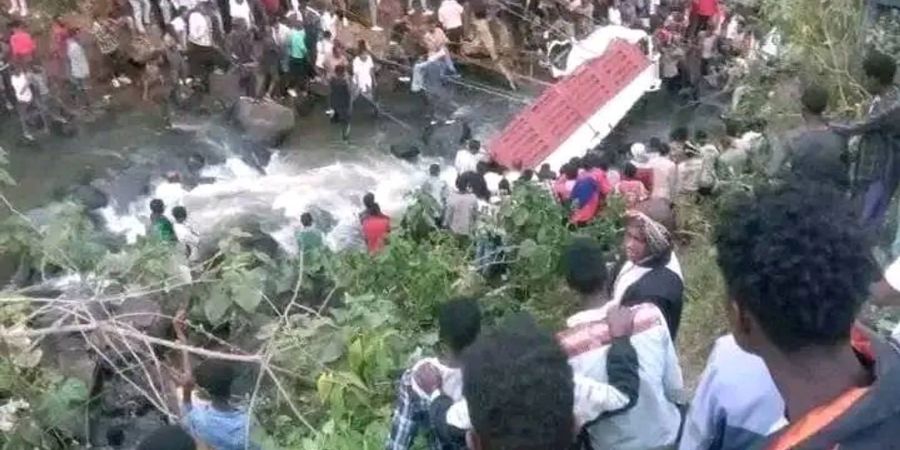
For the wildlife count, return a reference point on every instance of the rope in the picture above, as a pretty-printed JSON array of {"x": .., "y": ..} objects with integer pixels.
[
  {"x": 469, "y": 84},
  {"x": 468, "y": 61}
]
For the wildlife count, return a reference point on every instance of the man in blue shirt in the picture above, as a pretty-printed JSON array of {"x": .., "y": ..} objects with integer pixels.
[{"x": 219, "y": 425}]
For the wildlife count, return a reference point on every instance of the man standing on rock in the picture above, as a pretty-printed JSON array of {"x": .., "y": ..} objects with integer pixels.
[
  {"x": 364, "y": 76},
  {"x": 339, "y": 96},
  {"x": 813, "y": 152},
  {"x": 877, "y": 171},
  {"x": 161, "y": 229},
  {"x": 450, "y": 14},
  {"x": 202, "y": 55},
  {"x": 79, "y": 69},
  {"x": 24, "y": 99}
]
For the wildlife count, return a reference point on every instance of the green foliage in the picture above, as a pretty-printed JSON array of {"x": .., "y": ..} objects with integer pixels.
[
  {"x": 419, "y": 217},
  {"x": 68, "y": 240},
  {"x": 64, "y": 398},
  {"x": 703, "y": 318},
  {"x": 416, "y": 275},
  {"x": 823, "y": 43},
  {"x": 5, "y": 178},
  {"x": 354, "y": 354},
  {"x": 339, "y": 364},
  {"x": 18, "y": 238},
  {"x": 536, "y": 227},
  {"x": 146, "y": 263},
  {"x": 884, "y": 35}
]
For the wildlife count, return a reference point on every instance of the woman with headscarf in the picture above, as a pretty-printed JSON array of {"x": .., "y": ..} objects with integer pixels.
[{"x": 651, "y": 273}]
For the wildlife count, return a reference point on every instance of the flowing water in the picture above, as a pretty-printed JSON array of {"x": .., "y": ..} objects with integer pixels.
[
  {"x": 129, "y": 154},
  {"x": 313, "y": 168}
]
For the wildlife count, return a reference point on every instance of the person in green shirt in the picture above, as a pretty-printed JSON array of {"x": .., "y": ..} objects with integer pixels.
[
  {"x": 161, "y": 228},
  {"x": 298, "y": 66},
  {"x": 309, "y": 239}
]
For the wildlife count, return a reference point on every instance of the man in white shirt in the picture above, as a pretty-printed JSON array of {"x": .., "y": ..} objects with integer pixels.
[
  {"x": 240, "y": 10},
  {"x": 24, "y": 98},
  {"x": 665, "y": 172},
  {"x": 364, "y": 76},
  {"x": 373, "y": 11},
  {"x": 199, "y": 28},
  {"x": 459, "y": 324},
  {"x": 613, "y": 14},
  {"x": 180, "y": 29},
  {"x": 467, "y": 158},
  {"x": 186, "y": 234},
  {"x": 450, "y": 14},
  {"x": 328, "y": 21},
  {"x": 203, "y": 57}
]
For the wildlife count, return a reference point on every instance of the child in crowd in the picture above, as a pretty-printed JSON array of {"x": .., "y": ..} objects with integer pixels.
[{"x": 630, "y": 188}]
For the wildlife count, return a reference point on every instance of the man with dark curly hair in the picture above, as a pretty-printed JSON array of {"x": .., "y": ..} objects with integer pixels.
[
  {"x": 797, "y": 269},
  {"x": 520, "y": 390}
]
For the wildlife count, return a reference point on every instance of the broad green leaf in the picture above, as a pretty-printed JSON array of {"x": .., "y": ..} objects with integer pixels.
[
  {"x": 355, "y": 355},
  {"x": 331, "y": 351},
  {"x": 216, "y": 304},
  {"x": 324, "y": 385},
  {"x": 527, "y": 248},
  {"x": 63, "y": 400},
  {"x": 247, "y": 295}
]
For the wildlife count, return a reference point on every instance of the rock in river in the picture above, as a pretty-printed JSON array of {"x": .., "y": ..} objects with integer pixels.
[{"x": 264, "y": 121}]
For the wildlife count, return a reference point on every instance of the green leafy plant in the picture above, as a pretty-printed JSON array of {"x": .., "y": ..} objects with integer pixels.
[
  {"x": 823, "y": 41},
  {"x": 416, "y": 275}
]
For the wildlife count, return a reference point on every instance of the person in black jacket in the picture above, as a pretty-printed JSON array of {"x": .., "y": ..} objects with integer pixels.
[
  {"x": 652, "y": 273},
  {"x": 340, "y": 100}
]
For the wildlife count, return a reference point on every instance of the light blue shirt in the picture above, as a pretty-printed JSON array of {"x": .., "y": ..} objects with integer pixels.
[
  {"x": 220, "y": 430},
  {"x": 736, "y": 404}
]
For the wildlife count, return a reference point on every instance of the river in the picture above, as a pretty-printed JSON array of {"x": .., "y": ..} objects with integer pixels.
[{"x": 127, "y": 153}]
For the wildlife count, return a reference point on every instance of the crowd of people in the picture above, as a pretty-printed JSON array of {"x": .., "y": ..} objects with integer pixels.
[
  {"x": 797, "y": 371},
  {"x": 277, "y": 49}
]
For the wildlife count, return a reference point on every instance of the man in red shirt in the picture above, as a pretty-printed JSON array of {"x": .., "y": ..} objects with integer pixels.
[
  {"x": 702, "y": 12},
  {"x": 375, "y": 228},
  {"x": 20, "y": 42}
]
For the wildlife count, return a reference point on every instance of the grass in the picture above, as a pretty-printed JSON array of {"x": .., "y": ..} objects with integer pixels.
[{"x": 703, "y": 318}]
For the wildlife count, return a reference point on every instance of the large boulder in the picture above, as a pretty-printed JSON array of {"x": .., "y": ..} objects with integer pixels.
[
  {"x": 89, "y": 196},
  {"x": 264, "y": 121},
  {"x": 443, "y": 139}
]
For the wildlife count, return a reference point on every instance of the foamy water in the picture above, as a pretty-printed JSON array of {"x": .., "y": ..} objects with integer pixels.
[{"x": 282, "y": 194}]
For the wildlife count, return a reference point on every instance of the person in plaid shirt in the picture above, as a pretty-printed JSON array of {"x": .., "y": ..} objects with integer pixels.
[{"x": 459, "y": 323}]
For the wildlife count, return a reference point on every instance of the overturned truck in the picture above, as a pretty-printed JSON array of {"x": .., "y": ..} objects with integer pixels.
[{"x": 602, "y": 77}]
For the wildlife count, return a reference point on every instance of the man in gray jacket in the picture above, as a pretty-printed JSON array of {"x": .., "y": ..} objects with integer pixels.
[{"x": 877, "y": 169}]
